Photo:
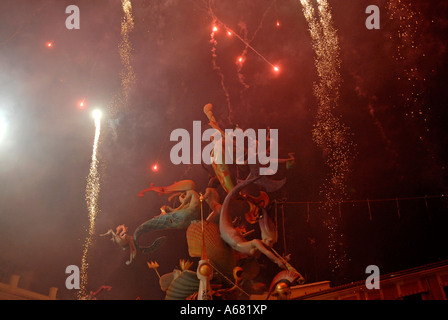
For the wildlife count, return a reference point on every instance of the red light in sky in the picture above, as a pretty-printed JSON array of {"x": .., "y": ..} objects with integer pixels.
[
  {"x": 155, "y": 167},
  {"x": 49, "y": 44},
  {"x": 229, "y": 33},
  {"x": 82, "y": 104},
  {"x": 278, "y": 24},
  {"x": 215, "y": 28},
  {"x": 276, "y": 69}
]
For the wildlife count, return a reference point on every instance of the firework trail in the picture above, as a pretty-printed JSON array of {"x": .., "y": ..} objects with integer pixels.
[
  {"x": 215, "y": 65},
  {"x": 125, "y": 49},
  {"x": 242, "y": 57},
  {"x": 92, "y": 193},
  {"x": 329, "y": 133},
  {"x": 217, "y": 68}
]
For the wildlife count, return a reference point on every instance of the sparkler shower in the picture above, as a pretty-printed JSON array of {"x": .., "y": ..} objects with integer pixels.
[
  {"x": 125, "y": 49},
  {"x": 92, "y": 193},
  {"x": 329, "y": 132},
  {"x": 93, "y": 181}
]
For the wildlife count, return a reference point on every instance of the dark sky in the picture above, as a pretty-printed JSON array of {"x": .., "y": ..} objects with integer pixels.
[{"x": 393, "y": 101}]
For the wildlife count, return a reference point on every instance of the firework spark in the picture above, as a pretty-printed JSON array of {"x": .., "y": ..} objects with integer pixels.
[
  {"x": 246, "y": 41},
  {"x": 92, "y": 193},
  {"x": 329, "y": 132},
  {"x": 406, "y": 34},
  {"x": 242, "y": 58},
  {"x": 125, "y": 49}
]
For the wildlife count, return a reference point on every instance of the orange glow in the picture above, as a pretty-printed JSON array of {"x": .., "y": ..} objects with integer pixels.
[
  {"x": 229, "y": 33},
  {"x": 240, "y": 59},
  {"x": 155, "y": 167},
  {"x": 82, "y": 104},
  {"x": 276, "y": 69},
  {"x": 49, "y": 44},
  {"x": 278, "y": 24},
  {"x": 215, "y": 28}
]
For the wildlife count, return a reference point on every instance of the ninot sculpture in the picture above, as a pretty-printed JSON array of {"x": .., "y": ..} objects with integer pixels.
[{"x": 220, "y": 240}]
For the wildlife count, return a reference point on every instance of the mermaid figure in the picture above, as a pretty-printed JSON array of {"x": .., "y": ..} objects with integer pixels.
[{"x": 170, "y": 218}]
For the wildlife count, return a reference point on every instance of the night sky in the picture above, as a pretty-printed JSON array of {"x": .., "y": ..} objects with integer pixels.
[{"x": 392, "y": 101}]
